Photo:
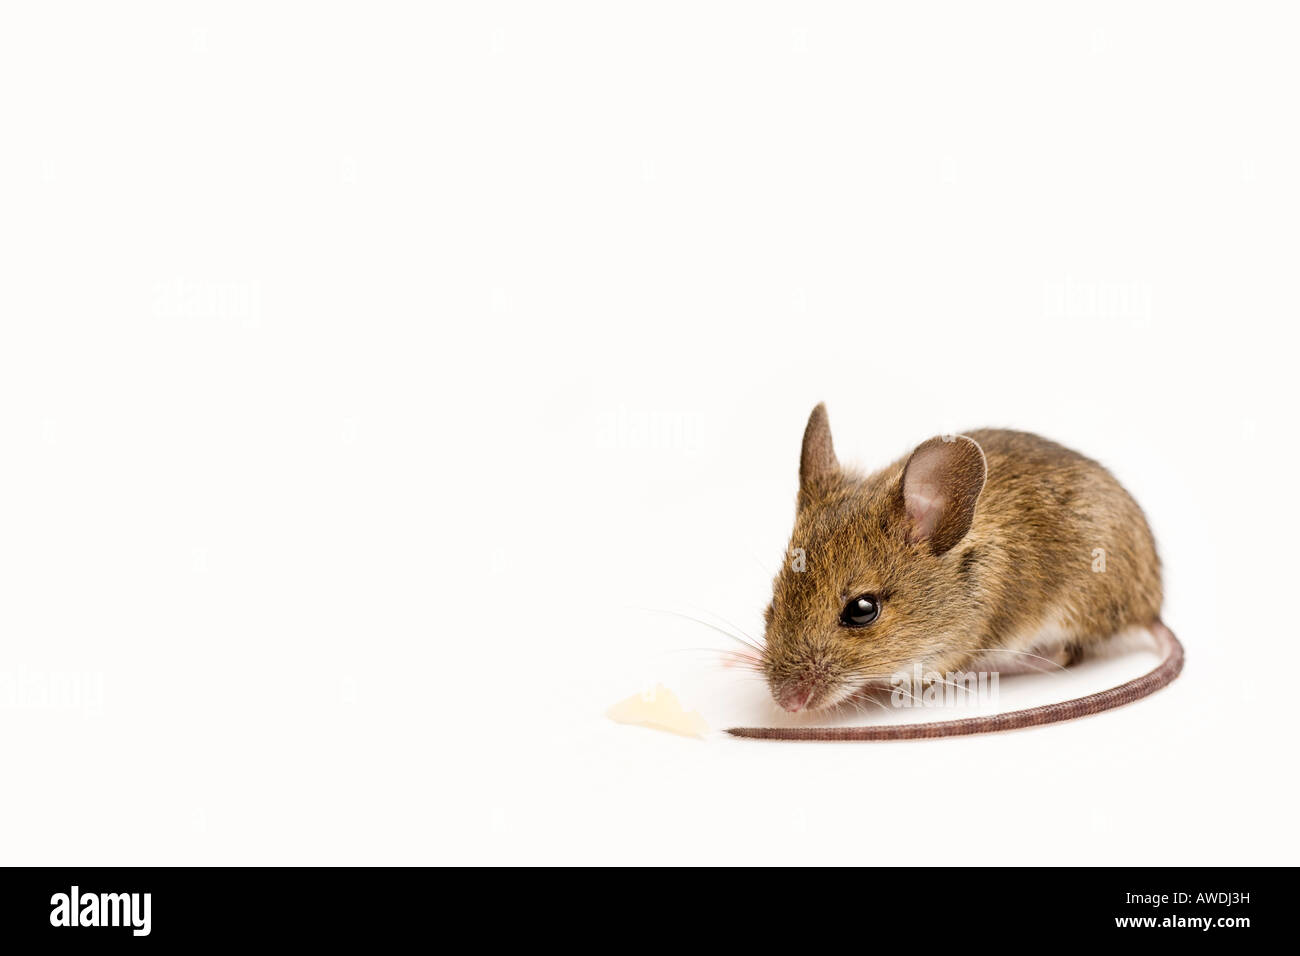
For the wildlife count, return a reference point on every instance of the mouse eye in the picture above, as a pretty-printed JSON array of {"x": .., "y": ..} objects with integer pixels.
[{"x": 861, "y": 611}]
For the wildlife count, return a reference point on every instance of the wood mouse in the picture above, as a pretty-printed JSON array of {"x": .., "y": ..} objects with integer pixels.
[{"x": 990, "y": 551}]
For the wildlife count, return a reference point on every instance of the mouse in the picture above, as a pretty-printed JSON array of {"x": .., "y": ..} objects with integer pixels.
[{"x": 992, "y": 550}]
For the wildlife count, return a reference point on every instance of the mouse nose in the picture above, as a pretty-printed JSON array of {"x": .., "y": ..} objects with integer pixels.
[{"x": 795, "y": 697}]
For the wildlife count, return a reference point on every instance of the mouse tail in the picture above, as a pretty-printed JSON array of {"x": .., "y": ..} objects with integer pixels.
[{"x": 1168, "y": 669}]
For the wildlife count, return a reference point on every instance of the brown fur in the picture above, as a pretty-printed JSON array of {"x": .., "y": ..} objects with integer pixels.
[{"x": 1003, "y": 559}]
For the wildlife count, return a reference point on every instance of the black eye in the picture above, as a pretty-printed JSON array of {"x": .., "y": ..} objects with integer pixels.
[{"x": 861, "y": 611}]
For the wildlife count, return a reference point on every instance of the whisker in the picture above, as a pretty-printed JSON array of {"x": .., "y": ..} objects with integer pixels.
[
  {"x": 734, "y": 626},
  {"x": 1008, "y": 650},
  {"x": 865, "y": 699},
  {"x": 714, "y": 627}
]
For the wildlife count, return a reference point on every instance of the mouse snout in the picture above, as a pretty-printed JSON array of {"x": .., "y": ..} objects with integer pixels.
[
  {"x": 794, "y": 696},
  {"x": 802, "y": 676}
]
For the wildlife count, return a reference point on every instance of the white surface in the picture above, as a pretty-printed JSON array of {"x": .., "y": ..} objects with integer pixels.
[{"x": 331, "y": 337}]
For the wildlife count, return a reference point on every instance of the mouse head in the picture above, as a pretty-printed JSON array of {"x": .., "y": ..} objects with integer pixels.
[{"x": 873, "y": 582}]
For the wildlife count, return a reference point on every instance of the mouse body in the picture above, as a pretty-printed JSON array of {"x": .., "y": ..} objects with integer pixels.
[{"x": 993, "y": 550}]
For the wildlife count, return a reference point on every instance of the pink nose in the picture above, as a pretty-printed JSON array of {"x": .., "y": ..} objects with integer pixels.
[{"x": 795, "y": 697}]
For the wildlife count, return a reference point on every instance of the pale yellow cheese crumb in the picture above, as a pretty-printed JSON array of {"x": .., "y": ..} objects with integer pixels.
[{"x": 660, "y": 709}]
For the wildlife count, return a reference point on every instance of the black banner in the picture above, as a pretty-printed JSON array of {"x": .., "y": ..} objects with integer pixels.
[{"x": 369, "y": 906}]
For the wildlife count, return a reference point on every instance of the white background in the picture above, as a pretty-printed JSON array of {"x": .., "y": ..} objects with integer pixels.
[{"x": 371, "y": 376}]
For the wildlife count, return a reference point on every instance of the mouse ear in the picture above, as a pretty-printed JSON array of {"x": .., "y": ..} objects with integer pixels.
[
  {"x": 941, "y": 483},
  {"x": 817, "y": 463}
]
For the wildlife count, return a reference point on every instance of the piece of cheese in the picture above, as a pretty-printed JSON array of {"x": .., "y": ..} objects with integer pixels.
[{"x": 660, "y": 709}]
